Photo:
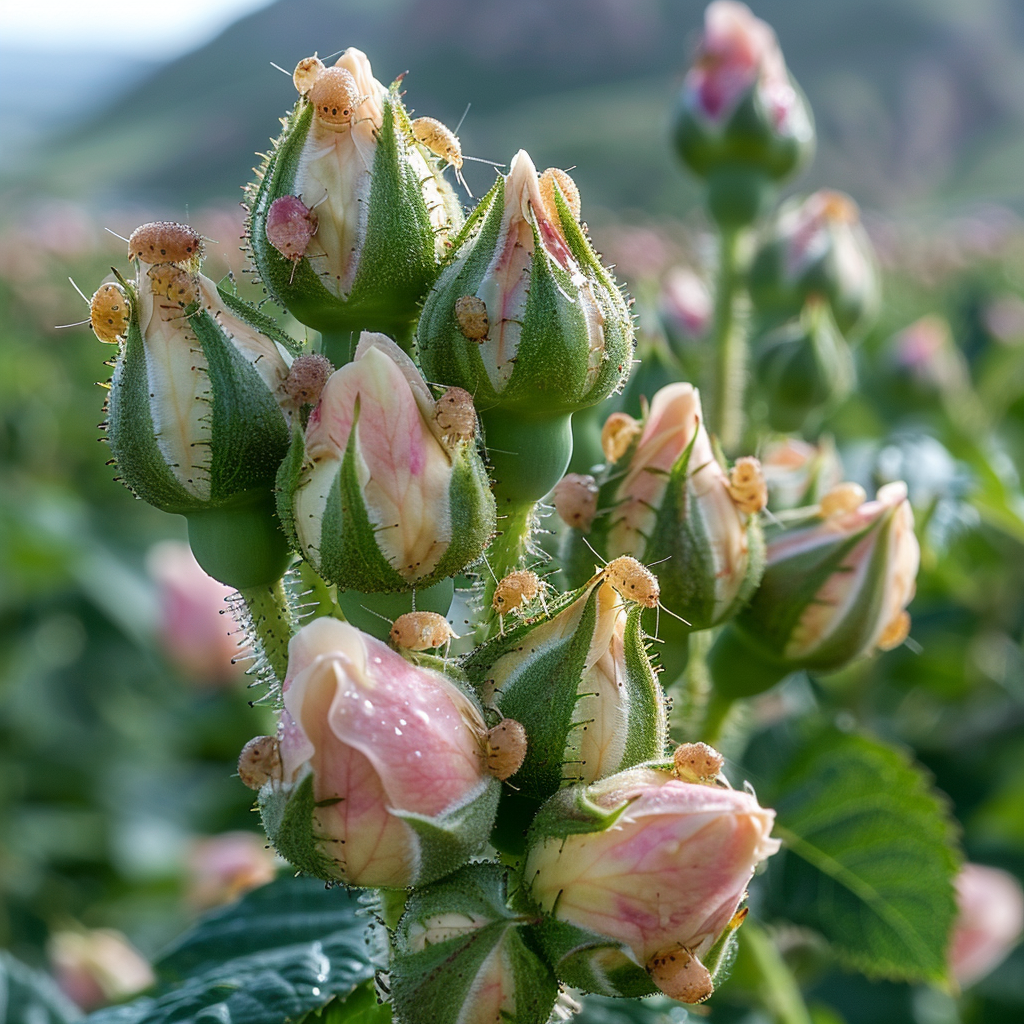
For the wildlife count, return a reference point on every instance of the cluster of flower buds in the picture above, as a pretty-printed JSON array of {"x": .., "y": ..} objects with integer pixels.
[
  {"x": 350, "y": 216},
  {"x": 741, "y": 123},
  {"x": 835, "y": 589}
]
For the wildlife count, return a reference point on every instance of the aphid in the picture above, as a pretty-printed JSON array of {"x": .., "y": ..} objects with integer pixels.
[
  {"x": 747, "y": 485},
  {"x": 259, "y": 762},
  {"x": 439, "y": 139},
  {"x": 697, "y": 762},
  {"x": 575, "y": 497},
  {"x": 164, "y": 241},
  {"x": 306, "y": 378},
  {"x": 895, "y": 633},
  {"x": 421, "y": 631},
  {"x": 471, "y": 314},
  {"x": 516, "y": 589},
  {"x": 617, "y": 434},
  {"x": 842, "y": 498},
  {"x": 290, "y": 226},
  {"x": 108, "y": 313},
  {"x": 456, "y": 415},
  {"x": 171, "y": 282},
  {"x": 334, "y": 97},
  {"x": 632, "y": 580},
  {"x": 506, "y": 748},
  {"x": 306, "y": 72},
  {"x": 680, "y": 975},
  {"x": 570, "y": 193}
]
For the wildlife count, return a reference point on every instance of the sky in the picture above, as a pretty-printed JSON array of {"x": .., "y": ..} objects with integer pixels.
[{"x": 143, "y": 30}]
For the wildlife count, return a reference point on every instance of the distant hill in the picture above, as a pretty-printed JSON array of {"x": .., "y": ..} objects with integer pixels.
[{"x": 918, "y": 102}]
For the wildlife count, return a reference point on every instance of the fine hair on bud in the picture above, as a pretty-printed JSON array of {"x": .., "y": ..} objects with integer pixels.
[
  {"x": 697, "y": 762},
  {"x": 575, "y": 498},
  {"x": 306, "y": 378},
  {"x": 165, "y": 241},
  {"x": 617, "y": 434},
  {"x": 108, "y": 313},
  {"x": 260, "y": 761}
]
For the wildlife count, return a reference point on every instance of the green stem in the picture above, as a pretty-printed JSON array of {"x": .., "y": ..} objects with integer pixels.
[
  {"x": 694, "y": 689},
  {"x": 509, "y": 550},
  {"x": 716, "y": 715},
  {"x": 730, "y": 343},
  {"x": 779, "y": 992},
  {"x": 339, "y": 346},
  {"x": 272, "y": 622}
]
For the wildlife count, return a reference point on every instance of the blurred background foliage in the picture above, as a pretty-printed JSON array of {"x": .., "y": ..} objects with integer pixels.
[{"x": 116, "y": 759}]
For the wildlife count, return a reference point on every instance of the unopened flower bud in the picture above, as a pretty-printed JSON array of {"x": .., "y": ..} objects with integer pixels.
[
  {"x": 803, "y": 368},
  {"x": 989, "y": 923},
  {"x": 372, "y": 491},
  {"x": 580, "y": 683},
  {"x": 575, "y": 498},
  {"x": 675, "y": 505},
  {"x": 462, "y": 955},
  {"x": 741, "y": 121},
  {"x": 798, "y": 473},
  {"x": 306, "y": 378},
  {"x": 109, "y": 313},
  {"x": 94, "y": 967},
  {"x": 223, "y": 867},
  {"x": 834, "y": 589},
  {"x": 421, "y": 631},
  {"x": 383, "y": 778},
  {"x": 619, "y": 432},
  {"x": 685, "y": 304},
  {"x": 382, "y": 212},
  {"x": 506, "y": 748},
  {"x": 611, "y": 920},
  {"x": 747, "y": 486},
  {"x": 816, "y": 247},
  {"x": 697, "y": 762},
  {"x": 259, "y": 762}
]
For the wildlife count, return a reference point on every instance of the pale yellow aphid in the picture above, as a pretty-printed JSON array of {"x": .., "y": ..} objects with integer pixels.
[
  {"x": 259, "y": 762},
  {"x": 171, "y": 282},
  {"x": 108, "y": 313},
  {"x": 680, "y": 975},
  {"x": 575, "y": 498},
  {"x": 747, "y": 485},
  {"x": 632, "y": 581},
  {"x": 421, "y": 631},
  {"x": 570, "y": 193},
  {"x": 845, "y": 497},
  {"x": 306, "y": 72},
  {"x": 617, "y": 434},
  {"x": 334, "y": 97},
  {"x": 165, "y": 241},
  {"x": 895, "y": 633},
  {"x": 471, "y": 315},
  {"x": 516, "y": 589},
  {"x": 456, "y": 415},
  {"x": 697, "y": 762},
  {"x": 439, "y": 139},
  {"x": 506, "y": 748}
]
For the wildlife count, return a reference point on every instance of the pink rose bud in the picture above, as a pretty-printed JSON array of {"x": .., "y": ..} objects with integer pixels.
[
  {"x": 376, "y": 496},
  {"x": 675, "y": 505},
  {"x": 798, "y": 473},
  {"x": 221, "y": 868},
  {"x": 991, "y": 919},
  {"x": 384, "y": 782},
  {"x": 195, "y": 634},
  {"x": 648, "y": 862},
  {"x": 97, "y": 967},
  {"x": 685, "y": 303},
  {"x": 835, "y": 588}
]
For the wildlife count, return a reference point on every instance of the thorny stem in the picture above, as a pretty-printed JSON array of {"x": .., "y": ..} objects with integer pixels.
[
  {"x": 272, "y": 623},
  {"x": 339, "y": 346},
  {"x": 730, "y": 343}
]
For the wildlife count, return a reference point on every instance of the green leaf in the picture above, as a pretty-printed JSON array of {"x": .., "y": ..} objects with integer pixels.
[
  {"x": 655, "y": 1010},
  {"x": 31, "y": 997},
  {"x": 870, "y": 856},
  {"x": 360, "y": 1007},
  {"x": 279, "y": 953}
]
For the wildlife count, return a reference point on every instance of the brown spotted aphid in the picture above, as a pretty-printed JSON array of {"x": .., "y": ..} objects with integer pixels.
[
  {"x": 506, "y": 748},
  {"x": 632, "y": 581},
  {"x": 171, "y": 282},
  {"x": 747, "y": 485},
  {"x": 617, "y": 434},
  {"x": 680, "y": 975},
  {"x": 334, "y": 96},
  {"x": 421, "y": 631},
  {"x": 164, "y": 241},
  {"x": 442, "y": 142},
  {"x": 514, "y": 591},
  {"x": 570, "y": 193},
  {"x": 575, "y": 498},
  {"x": 306, "y": 378},
  {"x": 697, "y": 762},
  {"x": 306, "y": 72},
  {"x": 456, "y": 415},
  {"x": 471, "y": 315},
  {"x": 259, "y": 762},
  {"x": 108, "y": 313}
]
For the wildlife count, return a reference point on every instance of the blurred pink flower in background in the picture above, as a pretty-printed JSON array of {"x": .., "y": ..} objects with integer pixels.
[
  {"x": 990, "y": 923},
  {"x": 685, "y": 302},
  {"x": 97, "y": 967},
  {"x": 196, "y": 638},
  {"x": 223, "y": 867}
]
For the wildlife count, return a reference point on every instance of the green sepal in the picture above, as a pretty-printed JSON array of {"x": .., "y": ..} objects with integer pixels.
[
  {"x": 570, "y": 812},
  {"x": 289, "y": 473},
  {"x": 434, "y": 983},
  {"x": 258, "y": 320},
  {"x": 449, "y": 839},
  {"x": 287, "y": 814}
]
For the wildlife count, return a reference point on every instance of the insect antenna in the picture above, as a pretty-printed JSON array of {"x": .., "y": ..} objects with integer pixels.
[
  {"x": 281, "y": 69},
  {"x": 115, "y": 234},
  {"x": 77, "y": 289}
]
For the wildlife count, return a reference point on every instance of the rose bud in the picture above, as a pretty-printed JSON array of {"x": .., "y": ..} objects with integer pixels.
[
  {"x": 641, "y": 871},
  {"x": 685, "y": 304},
  {"x": 675, "y": 505},
  {"x": 348, "y": 221},
  {"x": 835, "y": 588},
  {"x": 223, "y": 867},
  {"x": 375, "y": 494},
  {"x": 460, "y": 954},
  {"x": 803, "y": 368},
  {"x": 798, "y": 473},
  {"x": 580, "y": 683},
  {"x": 741, "y": 121},
  {"x": 817, "y": 247},
  {"x": 197, "y": 421},
  {"x": 96, "y": 967},
  {"x": 558, "y": 338},
  {"x": 383, "y": 781},
  {"x": 989, "y": 923}
]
